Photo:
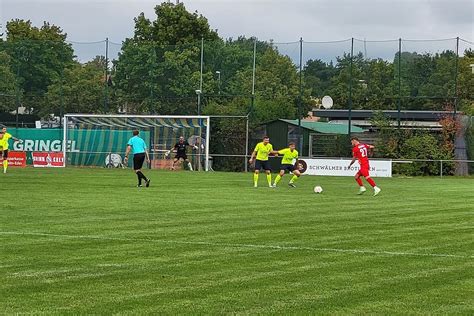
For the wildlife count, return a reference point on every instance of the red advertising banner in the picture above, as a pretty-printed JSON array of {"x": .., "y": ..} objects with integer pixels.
[
  {"x": 48, "y": 159},
  {"x": 16, "y": 159}
]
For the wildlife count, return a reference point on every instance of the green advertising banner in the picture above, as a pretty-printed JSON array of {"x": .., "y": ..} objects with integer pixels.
[{"x": 85, "y": 147}]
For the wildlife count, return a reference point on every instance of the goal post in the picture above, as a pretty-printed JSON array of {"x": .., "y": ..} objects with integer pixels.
[{"x": 100, "y": 139}]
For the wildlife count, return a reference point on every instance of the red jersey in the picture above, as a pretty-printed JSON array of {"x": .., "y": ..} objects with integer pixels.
[{"x": 361, "y": 152}]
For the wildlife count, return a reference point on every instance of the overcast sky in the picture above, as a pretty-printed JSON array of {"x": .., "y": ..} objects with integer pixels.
[{"x": 282, "y": 21}]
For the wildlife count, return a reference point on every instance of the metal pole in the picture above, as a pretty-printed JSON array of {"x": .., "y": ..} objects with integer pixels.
[
  {"x": 208, "y": 136},
  {"x": 61, "y": 99},
  {"x": 199, "y": 105},
  {"x": 65, "y": 139},
  {"x": 247, "y": 144},
  {"x": 17, "y": 101},
  {"x": 456, "y": 78},
  {"x": 252, "y": 98},
  {"x": 350, "y": 89},
  {"x": 202, "y": 62},
  {"x": 253, "y": 67},
  {"x": 441, "y": 169},
  {"x": 218, "y": 82},
  {"x": 399, "y": 103},
  {"x": 300, "y": 98},
  {"x": 106, "y": 75}
]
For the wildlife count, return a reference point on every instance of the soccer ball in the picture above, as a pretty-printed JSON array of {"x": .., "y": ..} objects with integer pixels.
[{"x": 318, "y": 189}]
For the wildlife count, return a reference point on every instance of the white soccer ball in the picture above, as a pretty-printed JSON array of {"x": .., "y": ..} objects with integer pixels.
[{"x": 318, "y": 189}]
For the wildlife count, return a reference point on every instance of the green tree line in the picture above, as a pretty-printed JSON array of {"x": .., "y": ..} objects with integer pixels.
[{"x": 158, "y": 71}]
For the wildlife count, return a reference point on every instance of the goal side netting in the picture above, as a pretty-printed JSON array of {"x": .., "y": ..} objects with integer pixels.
[{"x": 101, "y": 140}]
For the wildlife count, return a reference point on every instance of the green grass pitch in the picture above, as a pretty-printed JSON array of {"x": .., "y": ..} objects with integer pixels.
[{"x": 86, "y": 241}]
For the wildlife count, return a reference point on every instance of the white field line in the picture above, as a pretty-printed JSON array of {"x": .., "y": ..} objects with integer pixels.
[{"x": 237, "y": 245}]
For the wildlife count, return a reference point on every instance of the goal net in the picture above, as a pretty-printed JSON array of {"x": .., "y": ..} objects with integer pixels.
[{"x": 101, "y": 140}]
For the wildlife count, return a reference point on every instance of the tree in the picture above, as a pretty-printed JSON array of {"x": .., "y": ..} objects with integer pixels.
[
  {"x": 79, "y": 90},
  {"x": 159, "y": 67},
  {"x": 39, "y": 55},
  {"x": 9, "y": 87},
  {"x": 318, "y": 76}
]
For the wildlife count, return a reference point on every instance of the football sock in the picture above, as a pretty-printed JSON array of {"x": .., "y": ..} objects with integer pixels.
[
  {"x": 139, "y": 178},
  {"x": 142, "y": 175},
  {"x": 269, "y": 179},
  {"x": 5, "y": 165},
  {"x": 295, "y": 177},
  {"x": 371, "y": 182},
  {"x": 359, "y": 182},
  {"x": 255, "y": 179},
  {"x": 190, "y": 166},
  {"x": 277, "y": 179}
]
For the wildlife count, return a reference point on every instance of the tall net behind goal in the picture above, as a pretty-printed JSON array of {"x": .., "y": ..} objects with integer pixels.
[{"x": 101, "y": 140}]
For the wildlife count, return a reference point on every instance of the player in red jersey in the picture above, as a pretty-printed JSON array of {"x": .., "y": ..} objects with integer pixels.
[{"x": 360, "y": 152}]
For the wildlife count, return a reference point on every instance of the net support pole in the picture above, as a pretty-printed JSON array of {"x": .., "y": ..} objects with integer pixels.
[
  {"x": 106, "y": 81},
  {"x": 64, "y": 139},
  {"x": 208, "y": 136},
  {"x": 350, "y": 89},
  {"x": 300, "y": 98},
  {"x": 399, "y": 102}
]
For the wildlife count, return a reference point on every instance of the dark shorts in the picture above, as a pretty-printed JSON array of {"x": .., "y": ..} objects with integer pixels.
[
  {"x": 138, "y": 160},
  {"x": 5, "y": 154},
  {"x": 262, "y": 164},
  {"x": 288, "y": 167},
  {"x": 181, "y": 156}
]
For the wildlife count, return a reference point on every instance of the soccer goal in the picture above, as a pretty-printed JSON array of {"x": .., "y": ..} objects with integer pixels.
[{"x": 100, "y": 140}]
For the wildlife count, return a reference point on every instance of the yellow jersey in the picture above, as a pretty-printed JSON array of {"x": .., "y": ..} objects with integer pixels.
[
  {"x": 4, "y": 141},
  {"x": 288, "y": 156},
  {"x": 263, "y": 151}
]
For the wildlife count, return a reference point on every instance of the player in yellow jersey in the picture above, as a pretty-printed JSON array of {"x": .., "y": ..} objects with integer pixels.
[
  {"x": 4, "y": 138},
  {"x": 289, "y": 163},
  {"x": 261, "y": 152}
]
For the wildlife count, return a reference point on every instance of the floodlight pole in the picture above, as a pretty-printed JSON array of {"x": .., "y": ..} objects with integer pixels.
[
  {"x": 17, "y": 97},
  {"x": 456, "y": 78},
  {"x": 202, "y": 63},
  {"x": 252, "y": 101},
  {"x": 61, "y": 98},
  {"x": 350, "y": 88}
]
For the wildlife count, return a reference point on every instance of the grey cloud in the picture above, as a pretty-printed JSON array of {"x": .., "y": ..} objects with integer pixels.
[{"x": 282, "y": 21}]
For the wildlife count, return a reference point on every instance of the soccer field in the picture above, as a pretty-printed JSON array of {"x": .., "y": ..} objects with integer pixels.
[{"x": 87, "y": 241}]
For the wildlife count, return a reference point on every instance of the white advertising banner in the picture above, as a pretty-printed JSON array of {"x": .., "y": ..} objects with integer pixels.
[{"x": 338, "y": 167}]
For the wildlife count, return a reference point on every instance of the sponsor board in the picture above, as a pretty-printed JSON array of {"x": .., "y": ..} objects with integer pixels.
[
  {"x": 16, "y": 159},
  {"x": 339, "y": 167},
  {"x": 48, "y": 159}
]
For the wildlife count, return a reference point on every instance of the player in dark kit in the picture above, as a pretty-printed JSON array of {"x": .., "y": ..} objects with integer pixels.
[
  {"x": 138, "y": 146},
  {"x": 360, "y": 152},
  {"x": 181, "y": 155}
]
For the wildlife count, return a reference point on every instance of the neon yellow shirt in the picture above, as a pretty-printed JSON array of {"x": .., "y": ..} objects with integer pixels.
[
  {"x": 288, "y": 156},
  {"x": 263, "y": 151},
  {"x": 4, "y": 141},
  {"x": 3, "y": 144}
]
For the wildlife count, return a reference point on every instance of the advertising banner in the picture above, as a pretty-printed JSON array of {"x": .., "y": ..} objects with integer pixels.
[
  {"x": 85, "y": 147},
  {"x": 48, "y": 159},
  {"x": 16, "y": 159},
  {"x": 339, "y": 167}
]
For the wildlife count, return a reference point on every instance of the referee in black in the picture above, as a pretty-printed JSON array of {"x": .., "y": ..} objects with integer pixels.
[{"x": 138, "y": 147}]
